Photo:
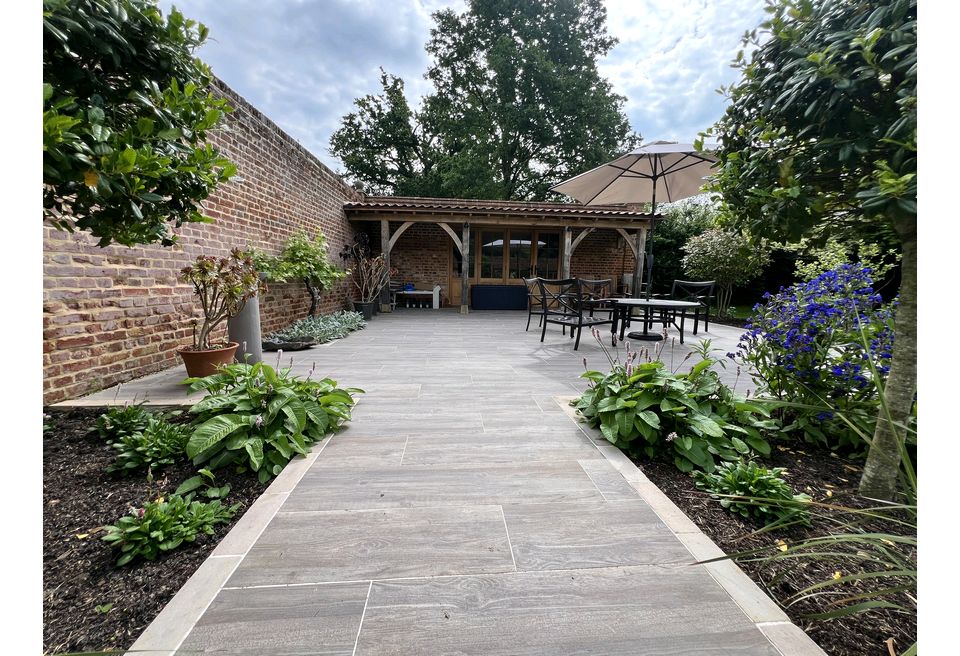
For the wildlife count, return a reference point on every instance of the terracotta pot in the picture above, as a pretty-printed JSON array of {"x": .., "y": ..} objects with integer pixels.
[{"x": 205, "y": 363}]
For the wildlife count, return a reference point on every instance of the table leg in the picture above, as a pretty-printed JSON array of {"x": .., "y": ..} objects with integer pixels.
[
  {"x": 613, "y": 326},
  {"x": 683, "y": 315}
]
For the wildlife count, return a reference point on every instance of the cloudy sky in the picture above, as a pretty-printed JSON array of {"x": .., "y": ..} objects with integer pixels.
[{"x": 302, "y": 62}]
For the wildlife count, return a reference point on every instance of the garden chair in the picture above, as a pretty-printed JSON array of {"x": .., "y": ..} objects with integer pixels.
[
  {"x": 702, "y": 292},
  {"x": 594, "y": 291},
  {"x": 533, "y": 300},
  {"x": 565, "y": 303}
]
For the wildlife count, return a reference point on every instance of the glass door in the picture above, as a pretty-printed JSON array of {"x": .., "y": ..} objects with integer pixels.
[{"x": 547, "y": 254}]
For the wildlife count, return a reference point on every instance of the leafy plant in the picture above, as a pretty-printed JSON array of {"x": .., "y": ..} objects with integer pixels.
[
  {"x": 821, "y": 135},
  {"x": 803, "y": 347},
  {"x": 771, "y": 495},
  {"x": 204, "y": 479},
  {"x": 121, "y": 421},
  {"x": 223, "y": 285},
  {"x": 305, "y": 260},
  {"x": 158, "y": 443},
  {"x": 163, "y": 525},
  {"x": 321, "y": 329},
  {"x": 370, "y": 275},
  {"x": 127, "y": 110},
  {"x": 103, "y": 609},
  {"x": 650, "y": 411},
  {"x": 260, "y": 417},
  {"x": 681, "y": 220},
  {"x": 725, "y": 257}
]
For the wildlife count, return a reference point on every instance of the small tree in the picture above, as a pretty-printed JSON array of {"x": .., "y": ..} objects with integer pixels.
[
  {"x": 725, "y": 257},
  {"x": 305, "y": 260},
  {"x": 681, "y": 221},
  {"x": 223, "y": 287},
  {"x": 126, "y": 113}
]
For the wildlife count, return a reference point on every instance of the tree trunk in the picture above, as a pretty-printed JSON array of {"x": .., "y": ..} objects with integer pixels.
[
  {"x": 314, "y": 298},
  {"x": 882, "y": 468}
]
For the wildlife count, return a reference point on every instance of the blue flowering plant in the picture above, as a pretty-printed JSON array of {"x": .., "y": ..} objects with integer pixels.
[{"x": 811, "y": 346}]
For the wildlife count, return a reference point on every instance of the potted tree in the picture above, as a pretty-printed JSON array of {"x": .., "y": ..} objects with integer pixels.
[
  {"x": 370, "y": 275},
  {"x": 301, "y": 259},
  {"x": 223, "y": 286}
]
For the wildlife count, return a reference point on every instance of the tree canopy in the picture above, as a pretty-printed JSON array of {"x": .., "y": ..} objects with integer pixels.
[
  {"x": 517, "y": 104},
  {"x": 821, "y": 137},
  {"x": 126, "y": 111}
]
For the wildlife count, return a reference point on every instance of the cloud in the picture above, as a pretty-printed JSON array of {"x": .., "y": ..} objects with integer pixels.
[
  {"x": 671, "y": 59},
  {"x": 303, "y": 62}
]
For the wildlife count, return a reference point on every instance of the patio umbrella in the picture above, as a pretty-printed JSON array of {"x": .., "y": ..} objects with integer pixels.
[{"x": 672, "y": 170}]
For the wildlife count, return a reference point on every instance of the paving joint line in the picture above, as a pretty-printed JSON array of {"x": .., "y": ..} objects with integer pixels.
[{"x": 362, "y": 615}]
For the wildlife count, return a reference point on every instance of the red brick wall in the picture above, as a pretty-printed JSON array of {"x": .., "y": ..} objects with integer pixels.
[
  {"x": 422, "y": 256},
  {"x": 117, "y": 313},
  {"x": 602, "y": 254}
]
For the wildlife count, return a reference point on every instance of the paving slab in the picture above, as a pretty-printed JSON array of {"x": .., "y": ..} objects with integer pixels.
[
  {"x": 464, "y": 510},
  {"x": 345, "y": 545}
]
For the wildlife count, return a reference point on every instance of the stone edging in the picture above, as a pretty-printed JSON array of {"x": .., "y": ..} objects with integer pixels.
[{"x": 769, "y": 618}]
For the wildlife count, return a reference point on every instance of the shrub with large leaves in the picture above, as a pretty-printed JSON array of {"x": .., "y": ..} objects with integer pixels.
[
  {"x": 649, "y": 411},
  {"x": 260, "y": 417}
]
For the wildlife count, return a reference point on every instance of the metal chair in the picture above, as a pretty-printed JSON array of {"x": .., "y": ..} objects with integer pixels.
[
  {"x": 533, "y": 300},
  {"x": 594, "y": 291},
  {"x": 702, "y": 292},
  {"x": 564, "y": 303}
]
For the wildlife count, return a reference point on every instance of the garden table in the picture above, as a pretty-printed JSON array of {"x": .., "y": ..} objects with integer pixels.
[{"x": 668, "y": 309}]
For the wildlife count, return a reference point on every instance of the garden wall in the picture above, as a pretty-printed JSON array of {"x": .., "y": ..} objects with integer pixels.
[{"x": 114, "y": 314}]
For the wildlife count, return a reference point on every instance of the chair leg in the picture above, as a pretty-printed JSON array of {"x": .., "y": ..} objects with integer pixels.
[
  {"x": 529, "y": 316},
  {"x": 576, "y": 344},
  {"x": 696, "y": 320},
  {"x": 543, "y": 333},
  {"x": 706, "y": 320}
]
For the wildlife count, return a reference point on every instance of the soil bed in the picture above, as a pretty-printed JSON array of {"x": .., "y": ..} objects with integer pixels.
[
  {"x": 79, "y": 573},
  {"x": 815, "y": 472}
]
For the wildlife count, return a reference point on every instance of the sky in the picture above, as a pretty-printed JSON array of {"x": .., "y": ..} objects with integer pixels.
[{"x": 303, "y": 62}]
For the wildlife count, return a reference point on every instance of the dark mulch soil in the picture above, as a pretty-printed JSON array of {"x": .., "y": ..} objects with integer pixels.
[
  {"x": 729, "y": 321},
  {"x": 815, "y": 472},
  {"x": 78, "y": 568}
]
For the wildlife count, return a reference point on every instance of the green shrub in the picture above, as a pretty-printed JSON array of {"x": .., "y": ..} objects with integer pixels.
[
  {"x": 163, "y": 525},
  {"x": 649, "y": 411},
  {"x": 771, "y": 496},
  {"x": 726, "y": 257},
  {"x": 260, "y": 418},
  {"x": 159, "y": 443},
  {"x": 324, "y": 328},
  {"x": 120, "y": 421}
]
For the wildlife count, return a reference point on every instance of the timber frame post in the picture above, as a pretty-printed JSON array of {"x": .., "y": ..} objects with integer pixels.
[
  {"x": 569, "y": 246},
  {"x": 465, "y": 270},
  {"x": 387, "y": 242}
]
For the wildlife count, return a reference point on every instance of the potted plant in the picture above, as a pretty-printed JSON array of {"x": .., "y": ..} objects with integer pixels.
[
  {"x": 223, "y": 286},
  {"x": 370, "y": 275},
  {"x": 301, "y": 259}
]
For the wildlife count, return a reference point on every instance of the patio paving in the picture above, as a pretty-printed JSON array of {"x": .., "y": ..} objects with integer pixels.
[{"x": 463, "y": 511}]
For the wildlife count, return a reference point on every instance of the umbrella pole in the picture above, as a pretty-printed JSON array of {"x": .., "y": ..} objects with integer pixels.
[{"x": 648, "y": 255}]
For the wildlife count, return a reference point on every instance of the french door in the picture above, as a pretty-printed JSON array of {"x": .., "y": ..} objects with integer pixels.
[{"x": 504, "y": 256}]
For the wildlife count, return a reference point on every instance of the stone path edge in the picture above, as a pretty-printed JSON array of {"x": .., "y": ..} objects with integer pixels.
[
  {"x": 784, "y": 635},
  {"x": 170, "y": 627}
]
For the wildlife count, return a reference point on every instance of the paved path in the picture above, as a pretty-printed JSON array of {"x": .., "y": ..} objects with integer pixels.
[{"x": 464, "y": 511}]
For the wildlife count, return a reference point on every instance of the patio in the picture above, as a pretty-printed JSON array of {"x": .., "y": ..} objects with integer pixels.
[{"x": 463, "y": 510}]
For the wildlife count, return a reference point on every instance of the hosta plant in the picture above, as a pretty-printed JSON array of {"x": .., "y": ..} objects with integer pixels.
[
  {"x": 164, "y": 524},
  {"x": 772, "y": 498},
  {"x": 159, "y": 443},
  {"x": 692, "y": 417},
  {"x": 259, "y": 417},
  {"x": 120, "y": 421}
]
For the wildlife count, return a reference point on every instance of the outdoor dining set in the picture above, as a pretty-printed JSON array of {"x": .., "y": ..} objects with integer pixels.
[{"x": 578, "y": 303}]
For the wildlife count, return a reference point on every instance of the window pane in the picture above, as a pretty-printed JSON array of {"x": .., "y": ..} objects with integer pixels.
[
  {"x": 548, "y": 255},
  {"x": 520, "y": 253},
  {"x": 491, "y": 254}
]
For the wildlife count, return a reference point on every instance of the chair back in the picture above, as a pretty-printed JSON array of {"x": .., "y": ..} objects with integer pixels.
[
  {"x": 594, "y": 289},
  {"x": 561, "y": 296},
  {"x": 688, "y": 290}
]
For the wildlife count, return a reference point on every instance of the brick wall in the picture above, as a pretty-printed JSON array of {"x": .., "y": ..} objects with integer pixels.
[
  {"x": 422, "y": 256},
  {"x": 114, "y": 314},
  {"x": 602, "y": 254}
]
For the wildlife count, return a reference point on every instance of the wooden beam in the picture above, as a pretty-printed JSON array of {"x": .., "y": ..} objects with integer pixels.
[
  {"x": 580, "y": 237},
  {"x": 629, "y": 240},
  {"x": 607, "y": 223},
  {"x": 456, "y": 240},
  {"x": 385, "y": 246},
  {"x": 402, "y": 229},
  {"x": 567, "y": 252},
  {"x": 465, "y": 271}
]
